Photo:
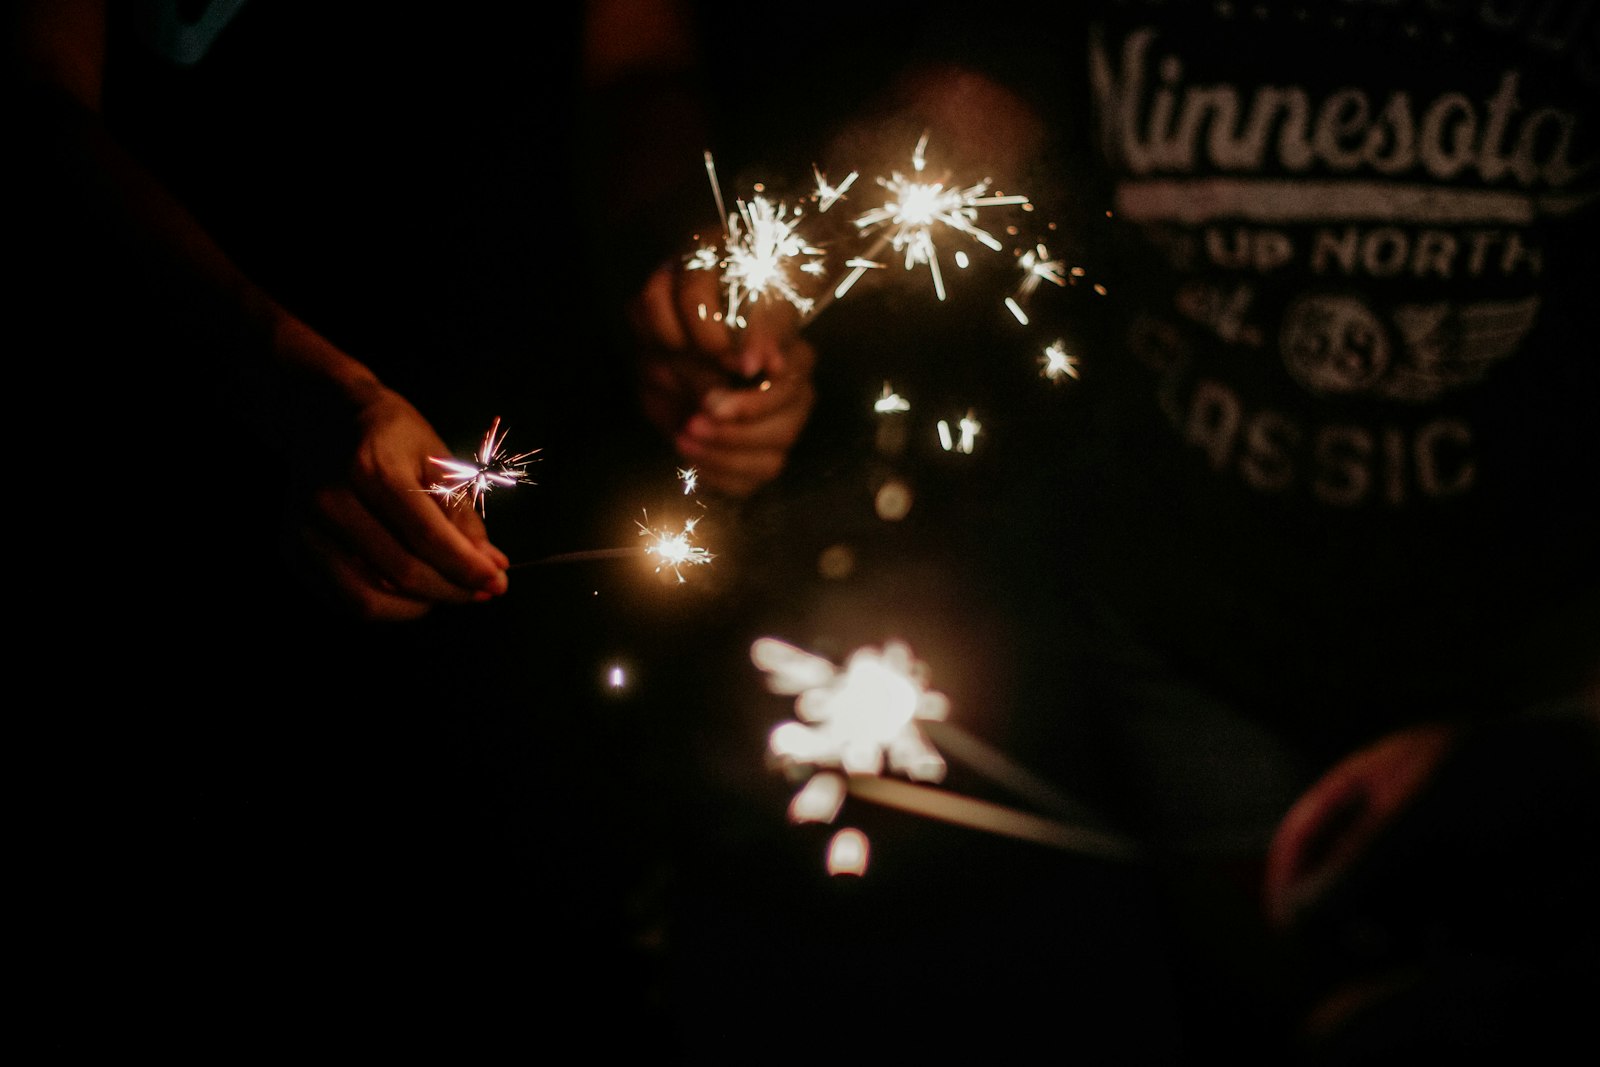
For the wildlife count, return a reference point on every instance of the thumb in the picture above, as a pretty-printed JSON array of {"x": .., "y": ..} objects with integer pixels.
[{"x": 1333, "y": 824}]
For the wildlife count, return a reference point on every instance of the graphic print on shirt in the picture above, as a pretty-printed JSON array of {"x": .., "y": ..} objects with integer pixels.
[{"x": 1346, "y": 256}]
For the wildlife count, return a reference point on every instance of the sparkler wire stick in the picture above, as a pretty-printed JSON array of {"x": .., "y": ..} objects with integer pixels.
[
  {"x": 577, "y": 557},
  {"x": 716, "y": 192},
  {"x": 977, "y": 814},
  {"x": 1003, "y": 771}
]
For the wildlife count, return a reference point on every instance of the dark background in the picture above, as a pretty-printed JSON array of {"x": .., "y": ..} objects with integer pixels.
[{"x": 269, "y": 828}]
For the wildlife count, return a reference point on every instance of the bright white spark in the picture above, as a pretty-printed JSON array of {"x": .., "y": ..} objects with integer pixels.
[
  {"x": 916, "y": 209},
  {"x": 491, "y": 468},
  {"x": 1037, "y": 266},
  {"x": 969, "y": 427},
  {"x": 858, "y": 719},
  {"x": 762, "y": 252},
  {"x": 1057, "y": 363},
  {"x": 969, "y": 433},
  {"x": 690, "y": 477},
  {"x": 827, "y": 195},
  {"x": 820, "y": 799},
  {"x": 848, "y": 852},
  {"x": 890, "y": 402},
  {"x": 675, "y": 550},
  {"x": 858, "y": 266}
]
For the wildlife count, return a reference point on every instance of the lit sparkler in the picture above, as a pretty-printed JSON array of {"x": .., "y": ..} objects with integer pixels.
[
  {"x": 969, "y": 427},
  {"x": 859, "y": 719},
  {"x": 827, "y": 195},
  {"x": 890, "y": 402},
  {"x": 762, "y": 253},
  {"x": 916, "y": 208},
  {"x": 1037, "y": 266},
  {"x": 491, "y": 468},
  {"x": 674, "y": 550},
  {"x": 876, "y": 713}
]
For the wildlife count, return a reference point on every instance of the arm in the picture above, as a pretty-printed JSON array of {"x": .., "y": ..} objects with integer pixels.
[
  {"x": 738, "y": 437},
  {"x": 383, "y": 546},
  {"x": 643, "y": 68}
]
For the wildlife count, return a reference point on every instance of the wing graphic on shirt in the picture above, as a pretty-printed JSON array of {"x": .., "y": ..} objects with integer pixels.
[{"x": 1445, "y": 346}]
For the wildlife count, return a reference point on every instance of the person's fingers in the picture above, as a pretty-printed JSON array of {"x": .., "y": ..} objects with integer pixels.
[
  {"x": 699, "y": 301},
  {"x": 1336, "y": 820},
  {"x": 670, "y": 389},
  {"x": 774, "y": 412},
  {"x": 402, "y": 551},
  {"x": 702, "y": 433},
  {"x": 767, "y": 346},
  {"x": 488, "y": 548},
  {"x": 654, "y": 312},
  {"x": 470, "y": 523},
  {"x": 356, "y": 588},
  {"x": 394, "y": 490},
  {"x": 737, "y": 474}
]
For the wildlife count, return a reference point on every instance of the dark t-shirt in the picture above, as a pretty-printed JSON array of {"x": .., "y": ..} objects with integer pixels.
[{"x": 1344, "y": 467}]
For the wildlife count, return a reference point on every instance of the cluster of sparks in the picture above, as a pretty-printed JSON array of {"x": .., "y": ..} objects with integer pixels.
[
  {"x": 862, "y": 730},
  {"x": 1057, "y": 363},
  {"x": 491, "y": 468},
  {"x": 917, "y": 208},
  {"x": 861, "y": 719},
  {"x": 765, "y": 254},
  {"x": 763, "y": 251},
  {"x": 966, "y": 436},
  {"x": 1037, "y": 266},
  {"x": 674, "y": 549}
]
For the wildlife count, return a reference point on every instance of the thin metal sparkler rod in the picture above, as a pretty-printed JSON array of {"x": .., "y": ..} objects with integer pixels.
[
  {"x": 716, "y": 191},
  {"x": 994, "y": 818},
  {"x": 849, "y": 280},
  {"x": 956, "y": 743},
  {"x": 577, "y": 557}
]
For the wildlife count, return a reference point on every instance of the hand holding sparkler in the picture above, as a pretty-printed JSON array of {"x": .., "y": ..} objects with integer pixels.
[
  {"x": 375, "y": 533},
  {"x": 732, "y": 401}
]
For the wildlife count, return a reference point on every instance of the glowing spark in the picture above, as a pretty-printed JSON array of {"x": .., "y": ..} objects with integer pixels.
[
  {"x": 858, "y": 266},
  {"x": 690, "y": 477},
  {"x": 1037, "y": 266},
  {"x": 820, "y": 799},
  {"x": 858, "y": 719},
  {"x": 828, "y": 195},
  {"x": 965, "y": 442},
  {"x": 1057, "y": 363},
  {"x": 890, "y": 402},
  {"x": 491, "y": 468},
  {"x": 675, "y": 550},
  {"x": 761, "y": 252},
  {"x": 915, "y": 209},
  {"x": 848, "y": 852},
  {"x": 969, "y": 433}
]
